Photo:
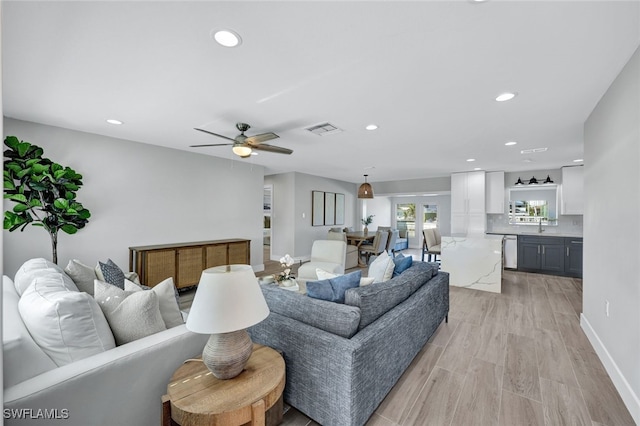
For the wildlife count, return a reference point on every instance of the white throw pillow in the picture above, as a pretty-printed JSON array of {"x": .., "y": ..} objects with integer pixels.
[
  {"x": 324, "y": 275},
  {"x": 132, "y": 315},
  {"x": 381, "y": 269},
  {"x": 169, "y": 308},
  {"x": 82, "y": 275},
  {"x": 39, "y": 267},
  {"x": 67, "y": 325}
]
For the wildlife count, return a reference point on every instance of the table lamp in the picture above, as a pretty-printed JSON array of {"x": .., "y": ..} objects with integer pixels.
[{"x": 228, "y": 300}]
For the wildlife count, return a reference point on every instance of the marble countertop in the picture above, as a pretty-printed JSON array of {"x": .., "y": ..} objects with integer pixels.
[{"x": 532, "y": 233}]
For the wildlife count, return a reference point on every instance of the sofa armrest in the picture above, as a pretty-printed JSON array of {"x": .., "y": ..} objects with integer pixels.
[{"x": 120, "y": 386}]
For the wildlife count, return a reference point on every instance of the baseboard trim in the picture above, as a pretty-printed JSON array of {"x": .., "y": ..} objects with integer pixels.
[{"x": 627, "y": 394}]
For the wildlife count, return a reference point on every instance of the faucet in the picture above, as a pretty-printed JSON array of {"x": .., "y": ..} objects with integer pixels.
[{"x": 540, "y": 230}]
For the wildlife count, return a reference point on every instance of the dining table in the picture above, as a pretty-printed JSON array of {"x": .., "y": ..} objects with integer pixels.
[{"x": 357, "y": 238}]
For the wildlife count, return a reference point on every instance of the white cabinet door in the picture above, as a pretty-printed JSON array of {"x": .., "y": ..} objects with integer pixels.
[
  {"x": 495, "y": 193},
  {"x": 468, "y": 203},
  {"x": 458, "y": 193},
  {"x": 475, "y": 193},
  {"x": 573, "y": 190}
]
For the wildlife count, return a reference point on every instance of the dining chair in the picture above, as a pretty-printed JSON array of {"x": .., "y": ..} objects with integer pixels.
[
  {"x": 394, "y": 234},
  {"x": 351, "y": 260},
  {"x": 430, "y": 244},
  {"x": 378, "y": 246}
]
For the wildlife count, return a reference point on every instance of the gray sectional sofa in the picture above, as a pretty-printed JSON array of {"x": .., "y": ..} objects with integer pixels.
[{"x": 343, "y": 359}]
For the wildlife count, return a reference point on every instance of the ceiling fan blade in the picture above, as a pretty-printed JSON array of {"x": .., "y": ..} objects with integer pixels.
[
  {"x": 214, "y": 134},
  {"x": 262, "y": 137},
  {"x": 271, "y": 148},
  {"x": 210, "y": 144}
]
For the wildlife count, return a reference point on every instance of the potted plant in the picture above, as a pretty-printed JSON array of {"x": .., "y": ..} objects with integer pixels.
[
  {"x": 44, "y": 192},
  {"x": 366, "y": 222}
]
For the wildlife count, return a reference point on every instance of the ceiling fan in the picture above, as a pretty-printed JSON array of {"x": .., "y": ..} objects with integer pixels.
[{"x": 243, "y": 145}]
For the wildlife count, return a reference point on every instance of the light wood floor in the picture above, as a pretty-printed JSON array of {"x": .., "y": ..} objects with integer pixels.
[{"x": 515, "y": 358}]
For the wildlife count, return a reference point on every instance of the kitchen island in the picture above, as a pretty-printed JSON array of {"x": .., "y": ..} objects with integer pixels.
[{"x": 473, "y": 261}]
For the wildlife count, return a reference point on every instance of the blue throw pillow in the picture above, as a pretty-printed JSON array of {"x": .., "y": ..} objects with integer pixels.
[
  {"x": 333, "y": 290},
  {"x": 402, "y": 264}
]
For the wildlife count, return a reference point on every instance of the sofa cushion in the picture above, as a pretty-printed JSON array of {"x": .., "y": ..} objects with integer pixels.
[
  {"x": 333, "y": 289},
  {"x": 378, "y": 298},
  {"x": 38, "y": 267},
  {"x": 381, "y": 268},
  {"x": 402, "y": 263},
  {"x": 334, "y": 318},
  {"x": 22, "y": 357},
  {"x": 169, "y": 308},
  {"x": 68, "y": 325},
  {"x": 132, "y": 315},
  {"x": 82, "y": 275}
]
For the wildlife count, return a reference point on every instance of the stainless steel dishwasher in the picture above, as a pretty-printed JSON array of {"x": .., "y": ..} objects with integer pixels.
[{"x": 510, "y": 251}]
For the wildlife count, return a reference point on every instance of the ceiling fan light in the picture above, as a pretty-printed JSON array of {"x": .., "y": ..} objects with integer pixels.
[
  {"x": 365, "y": 191},
  {"x": 242, "y": 150}
]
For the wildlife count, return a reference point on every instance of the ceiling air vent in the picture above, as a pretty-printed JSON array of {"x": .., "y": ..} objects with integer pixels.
[
  {"x": 532, "y": 151},
  {"x": 324, "y": 129}
]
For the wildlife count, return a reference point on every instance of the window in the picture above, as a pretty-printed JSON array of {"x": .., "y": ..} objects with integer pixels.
[
  {"x": 430, "y": 216},
  {"x": 406, "y": 218}
]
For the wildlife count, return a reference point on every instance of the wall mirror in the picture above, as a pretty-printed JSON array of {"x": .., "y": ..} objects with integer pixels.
[{"x": 533, "y": 205}]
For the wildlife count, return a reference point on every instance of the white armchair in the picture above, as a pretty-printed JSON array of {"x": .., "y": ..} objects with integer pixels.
[
  {"x": 328, "y": 255},
  {"x": 351, "y": 260}
]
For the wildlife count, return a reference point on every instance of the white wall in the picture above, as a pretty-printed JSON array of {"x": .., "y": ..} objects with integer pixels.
[
  {"x": 140, "y": 194},
  {"x": 612, "y": 232},
  {"x": 380, "y": 207},
  {"x": 291, "y": 232}
]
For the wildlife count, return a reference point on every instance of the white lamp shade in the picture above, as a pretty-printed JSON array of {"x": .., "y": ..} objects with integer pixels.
[{"x": 228, "y": 299}]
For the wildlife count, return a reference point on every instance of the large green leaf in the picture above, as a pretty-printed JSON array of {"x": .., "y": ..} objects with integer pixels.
[
  {"x": 61, "y": 204},
  {"x": 69, "y": 229},
  {"x": 23, "y": 148},
  {"x": 18, "y": 198}
]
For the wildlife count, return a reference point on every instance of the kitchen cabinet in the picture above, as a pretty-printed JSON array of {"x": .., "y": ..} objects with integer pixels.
[
  {"x": 572, "y": 190},
  {"x": 573, "y": 257},
  {"x": 468, "y": 213},
  {"x": 495, "y": 193},
  {"x": 185, "y": 261},
  {"x": 550, "y": 255}
]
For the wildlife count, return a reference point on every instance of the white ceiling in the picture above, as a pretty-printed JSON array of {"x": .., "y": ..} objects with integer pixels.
[{"x": 425, "y": 72}]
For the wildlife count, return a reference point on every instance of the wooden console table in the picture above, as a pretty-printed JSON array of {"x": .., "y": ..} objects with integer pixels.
[
  {"x": 196, "y": 397},
  {"x": 186, "y": 261}
]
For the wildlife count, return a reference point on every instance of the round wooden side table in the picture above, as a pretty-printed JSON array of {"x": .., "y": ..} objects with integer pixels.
[{"x": 196, "y": 397}]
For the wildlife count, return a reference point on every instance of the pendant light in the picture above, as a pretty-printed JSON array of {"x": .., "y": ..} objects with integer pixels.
[
  {"x": 533, "y": 181},
  {"x": 548, "y": 179},
  {"x": 365, "y": 190},
  {"x": 519, "y": 182}
]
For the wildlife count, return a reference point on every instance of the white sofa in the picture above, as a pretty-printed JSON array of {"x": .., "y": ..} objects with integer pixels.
[{"x": 118, "y": 386}]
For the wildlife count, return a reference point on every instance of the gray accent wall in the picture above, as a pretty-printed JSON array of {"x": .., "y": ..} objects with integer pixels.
[
  {"x": 141, "y": 194},
  {"x": 612, "y": 232}
]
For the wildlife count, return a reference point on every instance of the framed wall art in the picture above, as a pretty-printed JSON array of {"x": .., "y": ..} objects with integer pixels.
[
  {"x": 329, "y": 208},
  {"x": 317, "y": 208}
]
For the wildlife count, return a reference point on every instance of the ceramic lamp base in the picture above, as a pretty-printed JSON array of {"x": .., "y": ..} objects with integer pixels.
[{"x": 226, "y": 354}]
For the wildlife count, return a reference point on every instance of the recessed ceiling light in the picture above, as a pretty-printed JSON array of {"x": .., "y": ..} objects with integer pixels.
[
  {"x": 511, "y": 143},
  {"x": 477, "y": 168},
  {"x": 507, "y": 96},
  {"x": 227, "y": 38},
  {"x": 578, "y": 160},
  {"x": 112, "y": 121},
  {"x": 371, "y": 127},
  {"x": 471, "y": 159}
]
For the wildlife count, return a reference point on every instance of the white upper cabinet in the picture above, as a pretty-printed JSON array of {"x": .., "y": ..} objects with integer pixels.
[
  {"x": 468, "y": 203},
  {"x": 495, "y": 192},
  {"x": 572, "y": 190}
]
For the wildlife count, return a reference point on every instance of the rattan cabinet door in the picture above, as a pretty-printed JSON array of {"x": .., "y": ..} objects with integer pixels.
[
  {"x": 238, "y": 253},
  {"x": 159, "y": 265},
  {"x": 216, "y": 255},
  {"x": 190, "y": 266}
]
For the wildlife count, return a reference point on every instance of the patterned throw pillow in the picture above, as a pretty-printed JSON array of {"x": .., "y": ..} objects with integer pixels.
[{"x": 112, "y": 274}]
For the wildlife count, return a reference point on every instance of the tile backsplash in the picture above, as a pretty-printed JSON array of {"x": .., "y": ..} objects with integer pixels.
[{"x": 566, "y": 225}]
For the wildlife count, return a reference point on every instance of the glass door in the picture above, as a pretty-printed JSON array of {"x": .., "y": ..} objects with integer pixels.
[{"x": 406, "y": 220}]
